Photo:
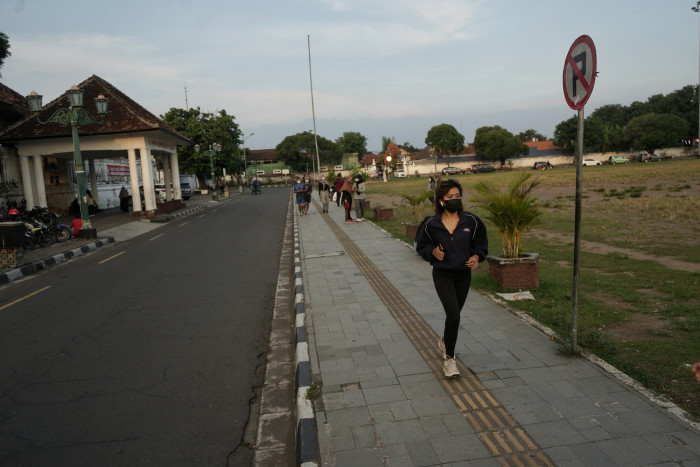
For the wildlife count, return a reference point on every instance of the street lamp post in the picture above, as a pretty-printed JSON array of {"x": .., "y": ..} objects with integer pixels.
[
  {"x": 696, "y": 9},
  {"x": 387, "y": 160},
  {"x": 213, "y": 149},
  {"x": 245, "y": 165},
  {"x": 74, "y": 115}
]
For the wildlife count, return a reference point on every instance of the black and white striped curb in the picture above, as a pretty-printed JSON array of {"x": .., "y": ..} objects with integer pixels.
[
  {"x": 48, "y": 262},
  {"x": 307, "y": 440}
]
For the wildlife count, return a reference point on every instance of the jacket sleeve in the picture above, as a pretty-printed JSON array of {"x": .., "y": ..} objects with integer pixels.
[
  {"x": 480, "y": 242},
  {"x": 424, "y": 242}
]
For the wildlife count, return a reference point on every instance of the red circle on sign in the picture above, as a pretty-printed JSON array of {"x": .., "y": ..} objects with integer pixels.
[{"x": 582, "y": 61}]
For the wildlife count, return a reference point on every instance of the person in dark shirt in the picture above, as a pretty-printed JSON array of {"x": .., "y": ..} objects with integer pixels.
[
  {"x": 337, "y": 183},
  {"x": 454, "y": 241}
]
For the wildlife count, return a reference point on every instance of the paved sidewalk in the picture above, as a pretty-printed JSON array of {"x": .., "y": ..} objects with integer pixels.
[{"x": 373, "y": 318}]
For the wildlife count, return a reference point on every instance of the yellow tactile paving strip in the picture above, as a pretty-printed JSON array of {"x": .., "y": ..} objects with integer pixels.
[{"x": 509, "y": 444}]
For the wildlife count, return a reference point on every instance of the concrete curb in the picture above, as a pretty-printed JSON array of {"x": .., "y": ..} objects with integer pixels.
[
  {"x": 307, "y": 440},
  {"x": 169, "y": 217},
  {"x": 59, "y": 258}
]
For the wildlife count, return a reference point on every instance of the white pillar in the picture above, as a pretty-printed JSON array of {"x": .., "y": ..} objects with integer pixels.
[
  {"x": 26, "y": 180},
  {"x": 149, "y": 193},
  {"x": 39, "y": 183},
  {"x": 175, "y": 171},
  {"x": 167, "y": 179},
  {"x": 93, "y": 181},
  {"x": 134, "y": 178}
]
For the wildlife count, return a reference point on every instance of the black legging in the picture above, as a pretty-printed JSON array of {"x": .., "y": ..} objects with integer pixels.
[{"x": 452, "y": 286}]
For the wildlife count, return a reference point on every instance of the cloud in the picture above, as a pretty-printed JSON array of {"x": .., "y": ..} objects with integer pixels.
[{"x": 69, "y": 59}]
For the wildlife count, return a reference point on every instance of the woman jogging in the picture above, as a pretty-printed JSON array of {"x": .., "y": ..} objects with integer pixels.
[{"x": 454, "y": 242}]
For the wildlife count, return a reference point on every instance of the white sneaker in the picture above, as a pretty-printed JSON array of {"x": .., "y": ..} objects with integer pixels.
[
  {"x": 441, "y": 346},
  {"x": 450, "y": 367}
]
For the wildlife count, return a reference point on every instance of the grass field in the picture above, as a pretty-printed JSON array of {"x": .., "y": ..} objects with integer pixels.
[{"x": 639, "y": 265}]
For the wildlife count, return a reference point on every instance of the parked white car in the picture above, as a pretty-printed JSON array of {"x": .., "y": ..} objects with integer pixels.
[
  {"x": 400, "y": 173},
  {"x": 590, "y": 162}
]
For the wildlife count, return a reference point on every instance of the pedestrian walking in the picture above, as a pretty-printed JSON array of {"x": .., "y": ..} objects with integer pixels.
[
  {"x": 431, "y": 187},
  {"x": 346, "y": 195},
  {"x": 307, "y": 194},
  {"x": 300, "y": 193},
  {"x": 124, "y": 199},
  {"x": 337, "y": 183},
  {"x": 323, "y": 192},
  {"x": 358, "y": 189},
  {"x": 454, "y": 241}
]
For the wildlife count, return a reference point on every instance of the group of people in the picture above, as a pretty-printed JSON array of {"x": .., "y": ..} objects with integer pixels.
[
  {"x": 341, "y": 191},
  {"x": 302, "y": 191},
  {"x": 344, "y": 188}
]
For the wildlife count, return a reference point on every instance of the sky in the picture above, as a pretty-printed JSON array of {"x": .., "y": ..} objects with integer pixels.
[{"x": 383, "y": 68}]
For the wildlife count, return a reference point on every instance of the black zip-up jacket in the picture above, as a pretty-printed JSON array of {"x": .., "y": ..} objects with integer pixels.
[{"x": 469, "y": 238}]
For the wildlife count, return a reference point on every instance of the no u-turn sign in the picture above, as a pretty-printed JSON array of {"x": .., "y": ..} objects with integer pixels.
[{"x": 579, "y": 72}]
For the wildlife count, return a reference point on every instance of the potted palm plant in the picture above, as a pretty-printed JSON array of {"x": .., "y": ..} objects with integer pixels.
[
  {"x": 513, "y": 210},
  {"x": 417, "y": 203}
]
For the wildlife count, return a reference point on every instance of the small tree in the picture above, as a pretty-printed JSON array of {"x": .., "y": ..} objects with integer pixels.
[
  {"x": 417, "y": 203},
  {"x": 445, "y": 140},
  {"x": 496, "y": 143},
  {"x": 512, "y": 210}
]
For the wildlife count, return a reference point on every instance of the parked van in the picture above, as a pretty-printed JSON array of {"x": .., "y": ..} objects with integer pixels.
[
  {"x": 260, "y": 172},
  {"x": 618, "y": 160},
  {"x": 337, "y": 168},
  {"x": 277, "y": 171}
]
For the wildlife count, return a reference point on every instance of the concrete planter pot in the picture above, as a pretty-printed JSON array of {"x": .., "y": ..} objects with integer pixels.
[
  {"x": 412, "y": 229},
  {"x": 515, "y": 273},
  {"x": 383, "y": 214}
]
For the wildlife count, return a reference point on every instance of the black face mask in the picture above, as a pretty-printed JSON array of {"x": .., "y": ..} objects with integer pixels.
[{"x": 453, "y": 205}]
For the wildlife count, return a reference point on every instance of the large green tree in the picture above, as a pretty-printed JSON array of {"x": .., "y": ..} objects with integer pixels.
[
  {"x": 297, "y": 150},
  {"x": 566, "y": 133},
  {"x": 604, "y": 128},
  {"x": 498, "y": 144},
  {"x": 205, "y": 129},
  {"x": 445, "y": 140},
  {"x": 352, "y": 142},
  {"x": 652, "y": 131},
  {"x": 4, "y": 49}
]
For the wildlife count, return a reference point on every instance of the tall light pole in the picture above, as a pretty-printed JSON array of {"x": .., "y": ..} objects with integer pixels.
[
  {"x": 696, "y": 9},
  {"x": 213, "y": 149},
  {"x": 387, "y": 160},
  {"x": 245, "y": 164},
  {"x": 74, "y": 115}
]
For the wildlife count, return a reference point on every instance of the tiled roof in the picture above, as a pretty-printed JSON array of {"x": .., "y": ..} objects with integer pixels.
[
  {"x": 541, "y": 145},
  {"x": 12, "y": 99},
  {"x": 123, "y": 116}
]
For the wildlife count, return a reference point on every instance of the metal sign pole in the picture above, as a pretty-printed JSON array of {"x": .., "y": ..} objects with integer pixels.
[
  {"x": 577, "y": 232},
  {"x": 580, "y": 70}
]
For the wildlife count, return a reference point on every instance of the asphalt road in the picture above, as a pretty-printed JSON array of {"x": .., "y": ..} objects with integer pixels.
[{"x": 146, "y": 352}]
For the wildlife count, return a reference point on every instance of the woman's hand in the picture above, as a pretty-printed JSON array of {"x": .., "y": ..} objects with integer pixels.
[
  {"x": 473, "y": 262},
  {"x": 438, "y": 253}
]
